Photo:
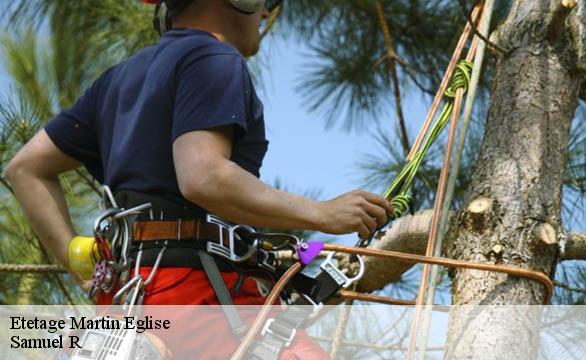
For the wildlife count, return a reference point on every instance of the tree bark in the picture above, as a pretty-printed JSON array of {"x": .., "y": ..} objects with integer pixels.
[{"x": 520, "y": 169}]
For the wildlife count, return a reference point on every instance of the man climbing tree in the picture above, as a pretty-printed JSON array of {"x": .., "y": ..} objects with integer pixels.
[{"x": 179, "y": 125}]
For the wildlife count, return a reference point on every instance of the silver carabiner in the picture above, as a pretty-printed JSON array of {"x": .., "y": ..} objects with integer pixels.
[
  {"x": 156, "y": 265},
  {"x": 108, "y": 195},
  {"x": 328, "y": 266},
  {"x": 103, "y": 216},
  {"x": 123, "y": 290},
  {"x": 135, "y": 296}
]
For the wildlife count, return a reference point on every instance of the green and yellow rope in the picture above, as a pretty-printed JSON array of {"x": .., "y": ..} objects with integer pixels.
[{"x": 398, "y": 190}]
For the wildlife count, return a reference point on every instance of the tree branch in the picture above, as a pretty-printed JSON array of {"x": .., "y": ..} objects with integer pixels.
[
  {"x": 561, "y": 12},
  {"x": 409, "y": 234},
  {"x": 389, "y": 43},
  {"x": 575, "y": 247}
]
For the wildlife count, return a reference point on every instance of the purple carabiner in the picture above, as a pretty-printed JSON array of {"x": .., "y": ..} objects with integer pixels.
[{"x": 309, "y": 251}]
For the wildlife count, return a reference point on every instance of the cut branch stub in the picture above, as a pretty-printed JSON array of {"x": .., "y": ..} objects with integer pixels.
[
  {"x": 581, "y": 43},
  {"x": 479, "y": 213},
  {"x": 569, "y": 4},
  {"x": 545, "y": 234},
  {"x": 559, "y": 17}
]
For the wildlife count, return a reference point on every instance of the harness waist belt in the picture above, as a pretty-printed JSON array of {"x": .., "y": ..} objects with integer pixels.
[
  {"x": 194, "y": 229},
  {"x": 177, "y": 257}
]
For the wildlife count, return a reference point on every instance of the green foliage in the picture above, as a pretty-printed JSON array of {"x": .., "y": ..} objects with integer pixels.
[
  {"x": 346, "y": 80},
  {"x": 51, "y": 61}
]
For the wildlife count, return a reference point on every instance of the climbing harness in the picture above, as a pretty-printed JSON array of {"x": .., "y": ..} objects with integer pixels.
[{"x": 118, "y": 235}]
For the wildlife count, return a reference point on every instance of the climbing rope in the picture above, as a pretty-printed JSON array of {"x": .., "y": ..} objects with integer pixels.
[
  {"x": 397, "y": 192},
  {"x": 339, "y": 334},
  {"x": 454, "y": 170}
]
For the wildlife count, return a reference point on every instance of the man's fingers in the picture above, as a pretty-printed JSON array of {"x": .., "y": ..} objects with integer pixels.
[
  {"x": 377, "y": 212},
  {"x": 364, "y": 233},
  {"x": 370, "y": 223},
  {"x": 378, "y": 200}
]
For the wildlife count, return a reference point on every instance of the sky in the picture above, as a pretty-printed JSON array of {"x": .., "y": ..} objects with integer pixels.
[{"x": 302, "y": 151}]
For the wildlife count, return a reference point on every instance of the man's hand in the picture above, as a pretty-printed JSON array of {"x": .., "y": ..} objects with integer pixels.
[{"x": 357, "y": 211}]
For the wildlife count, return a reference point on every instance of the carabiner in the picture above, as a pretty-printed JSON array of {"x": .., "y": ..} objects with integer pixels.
[{"x": 328, "y": 266}]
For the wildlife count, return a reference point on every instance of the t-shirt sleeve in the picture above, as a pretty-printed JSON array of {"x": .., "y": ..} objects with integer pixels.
[
  {"x": 73, "y": 131},
  {"x": 212, "y": 91}
]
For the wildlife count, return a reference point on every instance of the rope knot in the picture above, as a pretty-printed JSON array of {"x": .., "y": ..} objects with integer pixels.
[
  {"x": 400, "y": 204},
  {"x": 461, "y": 78}
]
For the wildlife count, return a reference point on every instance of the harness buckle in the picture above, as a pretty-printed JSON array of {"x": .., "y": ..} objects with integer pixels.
[
  {"x": 316, "y": 307},
  {"x": 328, "y": 266},
  {"x": 287, "y": 339},
  {"x": 229, "y": 251}
]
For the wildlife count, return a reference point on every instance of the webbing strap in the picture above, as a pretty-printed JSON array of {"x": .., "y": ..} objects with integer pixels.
[
  {"x": 280, "y": 331},
  {"x": 222, "y": 293}
]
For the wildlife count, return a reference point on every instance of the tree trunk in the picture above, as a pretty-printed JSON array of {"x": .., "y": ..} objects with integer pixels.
[{"x": 518, "y": 179}]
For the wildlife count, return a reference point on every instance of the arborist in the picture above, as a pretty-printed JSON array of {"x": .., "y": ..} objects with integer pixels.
[{"x": 179, "y": 125}]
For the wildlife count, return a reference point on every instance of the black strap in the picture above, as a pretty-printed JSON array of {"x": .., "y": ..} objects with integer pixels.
[
  {"x": 319, "y": 288},
  {"x": 223, "y": 294}
]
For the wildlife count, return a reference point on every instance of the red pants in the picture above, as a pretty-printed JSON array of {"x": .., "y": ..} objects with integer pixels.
[{"x": 187, "y": 286}]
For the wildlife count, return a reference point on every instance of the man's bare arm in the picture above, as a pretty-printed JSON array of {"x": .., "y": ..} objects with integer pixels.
[
  {"x": 33, "y": 175},
  {"x": 208, "y": 178}
]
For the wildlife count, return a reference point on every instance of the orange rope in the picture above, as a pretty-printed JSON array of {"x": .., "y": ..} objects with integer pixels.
[
  {"x": 451, "y": 263},
  {"x": 441, "y": 189},
  {"x": 439, "y": 200},
  {"x": 444, "y": 84}
]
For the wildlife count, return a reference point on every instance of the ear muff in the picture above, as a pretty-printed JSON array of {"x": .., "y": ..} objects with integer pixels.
[
  {"x": 247, "y": 6},
  {"x": 162, "y": 19}
]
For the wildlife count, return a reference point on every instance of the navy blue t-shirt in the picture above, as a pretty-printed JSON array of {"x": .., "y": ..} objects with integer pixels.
[{"x": 123, "y": 128}]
